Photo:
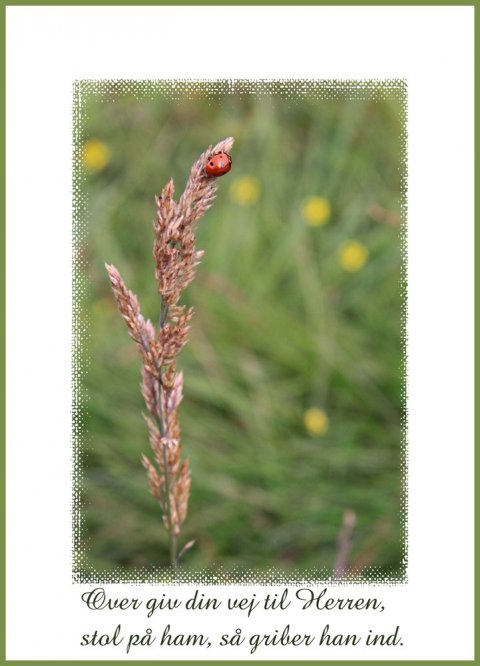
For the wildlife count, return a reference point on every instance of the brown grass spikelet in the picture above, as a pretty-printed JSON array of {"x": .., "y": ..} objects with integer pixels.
[
  {"x": 149, "y": 391},
  {"x": 174, "y": 247},
  {"x": 176, "y": 258},
  {"x": 154, "y": 480},
  {"x": 140, "y": 330}
]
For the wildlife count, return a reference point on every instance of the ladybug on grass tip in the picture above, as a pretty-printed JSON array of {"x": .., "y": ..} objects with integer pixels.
[{"x": 218, "y": 164}]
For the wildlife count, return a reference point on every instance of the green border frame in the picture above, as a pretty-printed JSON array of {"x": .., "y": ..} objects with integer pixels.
[
  {"x": 346, "y": 3},
  {"x": 247, "y": 3}
]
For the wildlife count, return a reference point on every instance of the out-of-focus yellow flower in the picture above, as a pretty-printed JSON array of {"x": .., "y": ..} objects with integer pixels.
[
  {"x": 316, "y": 211},
  {"x": 245, "y": 190},
  {"x": 316, "y": 421},
  {"x": 96, "y": 155},
  {"x": 353, "y": 256}
]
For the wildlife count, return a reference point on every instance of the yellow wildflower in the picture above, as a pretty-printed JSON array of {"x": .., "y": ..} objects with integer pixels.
[
  {"x": 316, "y": 211},
  {"x": 96, "y": 155},
  {"x": 245, "y": 190},
  {"x": 353, "y": 256},
  {"x": 316, "y": 421}
]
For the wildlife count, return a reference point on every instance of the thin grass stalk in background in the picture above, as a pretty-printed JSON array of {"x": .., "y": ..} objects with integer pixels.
[
  {"x": 176, "y": 258},
  {"x": 344, "y": 544}
]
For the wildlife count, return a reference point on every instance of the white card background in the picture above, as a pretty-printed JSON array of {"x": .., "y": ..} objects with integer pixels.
[{"x": 432, "y": 48}]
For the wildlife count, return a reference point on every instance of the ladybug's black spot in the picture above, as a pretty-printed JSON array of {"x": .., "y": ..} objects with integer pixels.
[{"x": 211, "y": 163}]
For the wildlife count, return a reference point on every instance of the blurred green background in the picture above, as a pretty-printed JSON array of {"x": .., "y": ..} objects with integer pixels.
[{"x": 294, "y": 371}]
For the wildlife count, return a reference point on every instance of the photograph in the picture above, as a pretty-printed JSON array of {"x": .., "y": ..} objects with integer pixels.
[{"x": 239, "y": 331}]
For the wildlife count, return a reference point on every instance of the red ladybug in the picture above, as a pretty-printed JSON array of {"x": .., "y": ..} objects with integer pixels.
[{"x": 218, "y": 164}]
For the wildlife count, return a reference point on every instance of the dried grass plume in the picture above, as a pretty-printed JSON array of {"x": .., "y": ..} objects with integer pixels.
[{"x": 176, "y": 258}]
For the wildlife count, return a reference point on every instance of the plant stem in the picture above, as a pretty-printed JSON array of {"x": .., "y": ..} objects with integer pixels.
[
  {"x": 171, "y": 536},
  {"x": 168, "y": 507},
  {"x": 163, "y": 312}
]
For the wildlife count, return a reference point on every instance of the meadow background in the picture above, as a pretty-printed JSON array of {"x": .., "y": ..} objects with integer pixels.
[{"x": 294, "y": 373}]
